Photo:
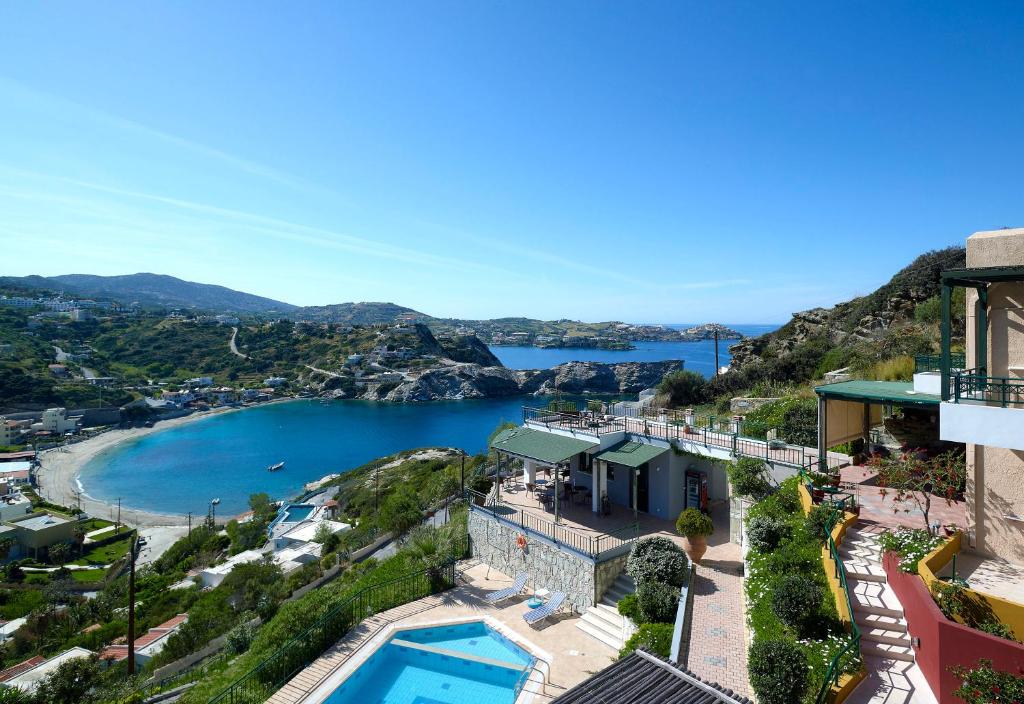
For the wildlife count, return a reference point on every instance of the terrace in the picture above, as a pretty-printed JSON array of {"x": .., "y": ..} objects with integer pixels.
[{"x": 723, "y": 434}]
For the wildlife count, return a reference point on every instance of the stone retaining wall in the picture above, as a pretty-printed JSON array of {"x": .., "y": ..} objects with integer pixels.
[{"x": 494, "y": 542}]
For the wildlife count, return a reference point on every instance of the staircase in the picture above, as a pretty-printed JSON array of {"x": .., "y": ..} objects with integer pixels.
[
  {"x": 893, "y": 677},
  {"x": 603, "y": 621}
]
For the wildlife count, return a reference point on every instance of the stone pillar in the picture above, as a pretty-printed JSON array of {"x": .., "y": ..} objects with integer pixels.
[
  {"x": 734, "y": 426},
  {"x": 688, "y": 417},
  {"x": 600, "y": 485},
  {"x": 531, "y": 471}
]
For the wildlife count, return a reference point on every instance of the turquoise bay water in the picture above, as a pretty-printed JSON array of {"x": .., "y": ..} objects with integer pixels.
[{"x": 226, "y": 456}]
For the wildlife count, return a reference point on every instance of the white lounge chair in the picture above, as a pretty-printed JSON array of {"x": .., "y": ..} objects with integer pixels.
[
  {"x": 508, "y": 592},
  {"x": 544, "y": 610}
]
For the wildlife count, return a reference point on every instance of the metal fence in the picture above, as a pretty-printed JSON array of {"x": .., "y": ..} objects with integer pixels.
[
  {"x": 591, "y": 545},
  {"x": 974, "y": 385},
  {"x": 273, "y": 672},
  {"x": 933, "y": 362}
]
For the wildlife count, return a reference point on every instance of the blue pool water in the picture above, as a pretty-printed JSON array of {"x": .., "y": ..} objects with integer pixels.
[
  {"x": 297, "y": 512},
  {"x": 398, "y": 674},
  {"x": 474, "y": 638}
]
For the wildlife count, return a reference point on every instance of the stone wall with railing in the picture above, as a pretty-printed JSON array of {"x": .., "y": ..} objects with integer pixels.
[{"x": 549, "y": 567}]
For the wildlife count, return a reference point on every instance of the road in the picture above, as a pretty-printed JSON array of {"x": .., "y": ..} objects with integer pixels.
[{"x": 233, "y": 346}]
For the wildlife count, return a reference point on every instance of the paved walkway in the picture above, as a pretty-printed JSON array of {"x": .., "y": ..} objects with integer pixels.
[{"x": 718, "y": 641}]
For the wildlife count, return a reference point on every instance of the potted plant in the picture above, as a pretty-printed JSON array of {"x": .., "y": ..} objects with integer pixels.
[
  {"x": 950, "y": 529},
  {"x": 695, "y": 527}
]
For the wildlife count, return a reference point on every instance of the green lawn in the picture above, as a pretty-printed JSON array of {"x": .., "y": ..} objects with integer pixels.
[
  {"x": 95, "y": 524},
  {"x": 105, "y": 554},
  {"x": 88, "y": 575},
  {"x": 15, "y": 603}
]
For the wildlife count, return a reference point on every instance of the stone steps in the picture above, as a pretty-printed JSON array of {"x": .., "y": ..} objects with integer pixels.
[{"x": 603, "y": 621}]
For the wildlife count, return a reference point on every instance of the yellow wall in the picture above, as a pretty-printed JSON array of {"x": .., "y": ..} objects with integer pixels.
[{"x": 1009, "y": 612}]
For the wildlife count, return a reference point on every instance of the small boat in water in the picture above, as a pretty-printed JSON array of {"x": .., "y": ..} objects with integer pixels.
[{"x": 275, "y": 467}]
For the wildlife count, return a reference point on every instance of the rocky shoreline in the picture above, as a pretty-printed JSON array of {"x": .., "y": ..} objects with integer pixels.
[{"x": 465, "y": 381}]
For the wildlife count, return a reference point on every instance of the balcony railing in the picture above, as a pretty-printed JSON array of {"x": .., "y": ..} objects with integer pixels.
[
  {"x": 933, "y": 362},
  {"x": 975, "y": 386},
  {"x": 591, "y": 545},
  {"x": 672, "y": 425}
]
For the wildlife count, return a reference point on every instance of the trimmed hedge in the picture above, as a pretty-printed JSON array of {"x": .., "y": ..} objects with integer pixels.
[
  {"x": 657, "y": 602},
  {"x": 657, "y": 559},
  {"x": 654, "y": 637},
  {"x": 778, "y": 671}
]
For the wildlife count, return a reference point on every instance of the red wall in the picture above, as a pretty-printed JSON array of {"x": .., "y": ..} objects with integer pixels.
[{"x": 945, "y": 642}]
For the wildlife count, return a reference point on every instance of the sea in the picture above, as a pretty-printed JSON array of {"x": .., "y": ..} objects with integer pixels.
[{"x": 226, "y": 456}]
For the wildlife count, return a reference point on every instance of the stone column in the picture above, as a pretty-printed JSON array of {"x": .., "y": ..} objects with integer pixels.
[
  {"x": 531, "y": 471},
  {"x": 600, "y": 486}
]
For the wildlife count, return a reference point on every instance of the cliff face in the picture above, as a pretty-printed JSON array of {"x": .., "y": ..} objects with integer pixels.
[{"x": 475, "y": 381}]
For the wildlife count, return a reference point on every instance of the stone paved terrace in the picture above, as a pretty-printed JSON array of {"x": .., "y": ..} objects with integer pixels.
[
  {"x": 575, "y": 655},
  {"x": 718, "y": 639}
]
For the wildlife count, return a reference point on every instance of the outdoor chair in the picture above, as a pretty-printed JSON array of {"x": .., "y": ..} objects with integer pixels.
[
  {"x": 531, "y": 487},
  {"x": 544, "y": 610},
  {"x": 508, "y": 592}
]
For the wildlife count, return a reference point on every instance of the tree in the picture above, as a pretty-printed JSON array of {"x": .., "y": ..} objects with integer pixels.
[
  {"x": 749, "y": 478},
  {"x": 59, "y": 553},
  {"x": 6, "y": 545},
  {"x": 401, "y": 511},
  {"x": 921, "y": 480},
  {"x": 72, "y": 681},
  {"x": 683, "y": 388}
]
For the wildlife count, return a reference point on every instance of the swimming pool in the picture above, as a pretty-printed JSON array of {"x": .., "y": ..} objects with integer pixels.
[
  {"x": 466, "y": 663},
  {"x": 297, "y": 512}
]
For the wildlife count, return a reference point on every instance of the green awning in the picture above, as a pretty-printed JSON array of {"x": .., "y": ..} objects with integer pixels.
[
  {"x": 896, "y": 393},
  {"x": 630, "y": 454},
  {"x": 549, "y": 448}
]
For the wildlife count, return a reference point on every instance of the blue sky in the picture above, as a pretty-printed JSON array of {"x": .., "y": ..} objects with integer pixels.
[{"x": 661, "y": 162}]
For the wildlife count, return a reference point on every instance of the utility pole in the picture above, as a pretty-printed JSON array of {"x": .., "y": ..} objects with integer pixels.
[
  {"x": 190, "y": 525},
  {"x": 716, "y": 352},
  {"x": 463, "y": 473},
  {"x": 131, "y": 609},
  {"x": 117, "y": 525}
]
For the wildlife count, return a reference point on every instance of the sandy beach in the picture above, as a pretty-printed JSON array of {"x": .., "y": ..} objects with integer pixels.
[{"x": 60, "y": 467}]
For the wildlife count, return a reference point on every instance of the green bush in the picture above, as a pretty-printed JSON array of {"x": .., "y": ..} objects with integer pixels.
[
  {"x": 748, "y": 478},
  {"x": 240, "y": 637},
  {"x": 764, "y": 533},
  {"x": 481, "y": 484},
  {"x": 778, "y": 671},
  {"x": 683, "y": 388},
  {"x": 796, "y": 601},
  {"x": 692, "y": 523},
  {"x": 657, "y": 602},
  {"x": 984, "y": 685},
  {"x": 629, "y": 608},
  {"x": 820, "y": 521},
  {"x": 653, "y": 637},
  {"x": 657, "y": 559}
]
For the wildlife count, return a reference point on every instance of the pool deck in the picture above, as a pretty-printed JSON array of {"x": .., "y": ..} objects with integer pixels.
[{"x": 574, "y": 654}]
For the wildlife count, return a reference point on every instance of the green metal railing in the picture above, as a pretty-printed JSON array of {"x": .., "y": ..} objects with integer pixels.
[
  {"x": 587, "y": 544},
  {"x": 272, "y": 673},
  {"x": 933, "y": 362},
  {"x": 974, "y": 385},
  {"x": 849, "y": 654},
  {"x": 720, "y": 432}
]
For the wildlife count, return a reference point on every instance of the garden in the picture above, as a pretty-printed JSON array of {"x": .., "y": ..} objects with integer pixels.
[
  {"x": 659, "y": 569},
  {"x": 791, "y": 612}
]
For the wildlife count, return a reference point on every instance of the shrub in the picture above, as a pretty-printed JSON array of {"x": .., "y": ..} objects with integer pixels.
[
  {"x": 820, "y": 521},
  {"x": 654, "y": 637},
  {"x": 910, "y": 544},
  {"x": 629, "y": 608},
  {"x": 995, "y": 628},
  {"x": 778, "y": 671},
  {"x": 481, "y": 484},
  {"x": 747, "y": 476},
  {"x": 983, "y": 685},
  {"x": 796, "y": 600},
  {"x": 683, "y": 388},
  {"x": 692, "y": 523},
  {"x": 657, "y": 602},
  {"x": 240, "y": 637},
  {"x": 657, "y": 559},
  {"x": 764, "y": 533},
  {"x": 782, "y": 504}
]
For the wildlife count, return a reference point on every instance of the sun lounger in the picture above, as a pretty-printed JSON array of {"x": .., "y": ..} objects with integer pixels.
[
  {"x": 543, "y": 611},
  {"x": 502, "y": 594}
]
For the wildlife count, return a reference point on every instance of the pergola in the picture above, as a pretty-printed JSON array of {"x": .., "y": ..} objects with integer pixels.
[{"x": 847, "y": 410}]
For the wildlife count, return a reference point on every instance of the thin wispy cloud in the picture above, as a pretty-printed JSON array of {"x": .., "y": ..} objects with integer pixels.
[{"x": 16, "y": 93}]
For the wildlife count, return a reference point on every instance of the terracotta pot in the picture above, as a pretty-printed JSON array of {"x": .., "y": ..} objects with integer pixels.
[
  {"x": 695, "y": 547},
  {"x": 834, "y": 480}
]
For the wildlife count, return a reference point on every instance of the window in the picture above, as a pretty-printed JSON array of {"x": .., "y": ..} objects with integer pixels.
[{"x": 585, "y": 463}]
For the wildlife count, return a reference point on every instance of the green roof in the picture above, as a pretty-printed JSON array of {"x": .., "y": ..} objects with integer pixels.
[
  {"x": 630, "y": 454},
  {"x": 549, "y": 448},
  {"x": 897, "y": 393}
]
